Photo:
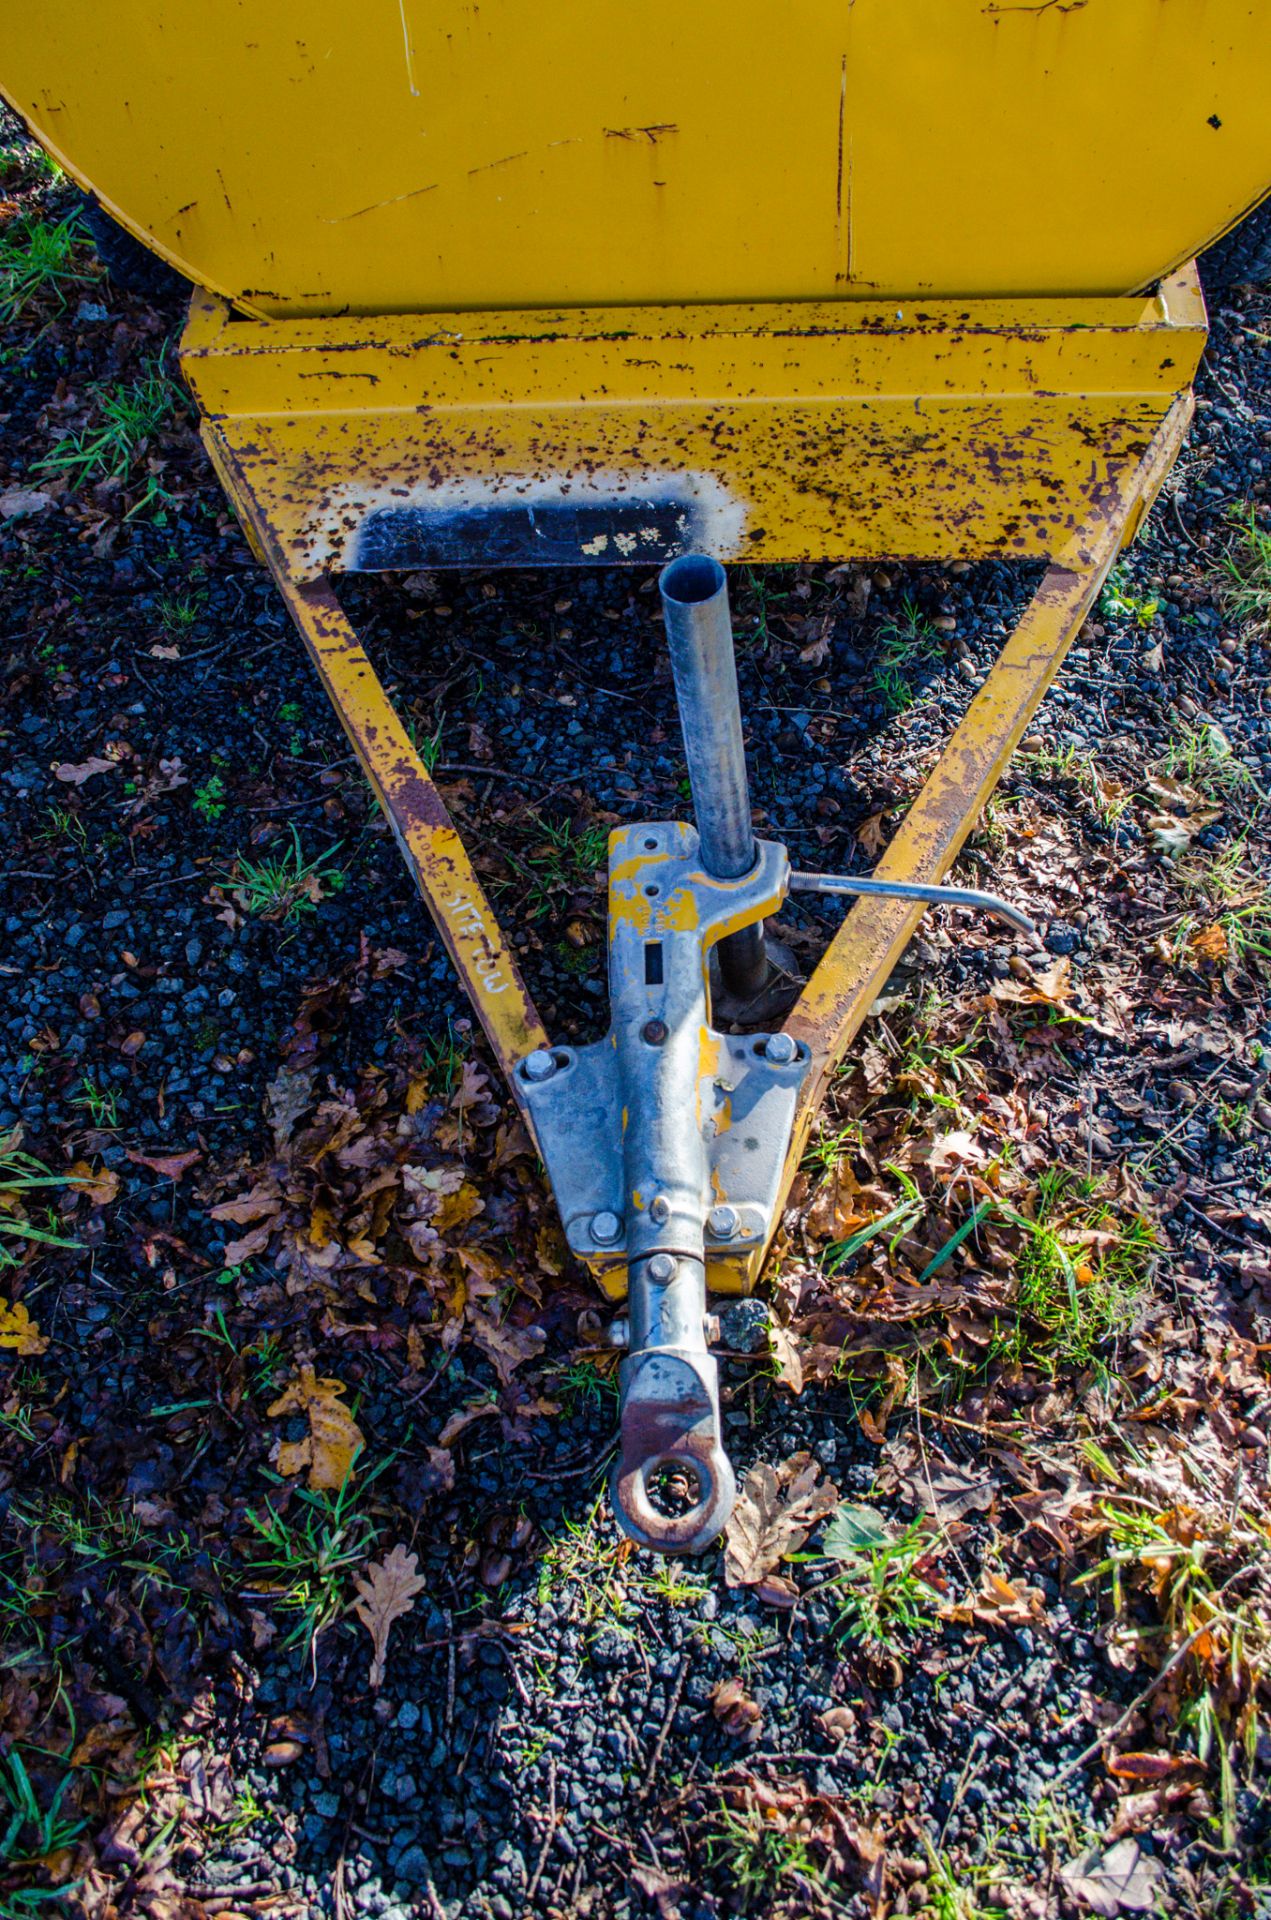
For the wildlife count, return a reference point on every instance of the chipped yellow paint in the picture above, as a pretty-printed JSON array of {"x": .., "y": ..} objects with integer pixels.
[
  {"x": 708, "y": 1049},
  {"x": 635, "y": 868},
  {"x": 679, "y": 913},
  {"x": 629, "y": 910},
  {"x": 780, "y": 432}
]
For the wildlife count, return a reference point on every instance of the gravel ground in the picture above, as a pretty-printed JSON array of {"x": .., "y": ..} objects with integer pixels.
[{"x": 547, "y": 1737}]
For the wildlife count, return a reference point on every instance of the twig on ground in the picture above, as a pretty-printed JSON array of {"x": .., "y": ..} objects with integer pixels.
[
  {"x": 1118, "y": 1726},
  {"x": 549, "y": 1836},
  {"x": 660, "y": 1742}
]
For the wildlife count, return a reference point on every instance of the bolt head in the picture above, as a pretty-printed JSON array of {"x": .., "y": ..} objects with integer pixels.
[
  {"x": 659, "y": 1210},
  {"x": 662, "y": 1269},
  {"x": 538, "y": 1065},
  {"x": 781, "y": 1049},
  {"x": 654, "y": 1032},
  {"x": 605, "y": 1227},
  {"x": 722, "y": 1222}
]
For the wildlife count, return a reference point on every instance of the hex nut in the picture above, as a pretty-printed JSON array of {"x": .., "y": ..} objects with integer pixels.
[
  {"x": 539, "y": 1065},
  {"x": 605, "y": 1227},
  {"x": 662, "y": 1269},
  {"x": 722, "y": 1222},
  {"x": 781, "y": 1049}
]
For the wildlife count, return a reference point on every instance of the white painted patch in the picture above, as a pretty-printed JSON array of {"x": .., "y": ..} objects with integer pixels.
[{"x": 709, "y": 514}]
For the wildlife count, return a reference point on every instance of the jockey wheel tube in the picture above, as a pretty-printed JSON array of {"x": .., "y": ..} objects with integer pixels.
[{"x": 699, "y": 633}]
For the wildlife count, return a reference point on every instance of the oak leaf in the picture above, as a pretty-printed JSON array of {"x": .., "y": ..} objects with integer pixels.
[
  {"x": 19, "y": 502},
  {"x": 776, "y": 1510},
  {"x": 871, "y": 835},
  {"x": 333, "y": 1441},
  {"x": 386, "y": 1591},
  {"x": 1122, "y": 1880},
  {"x": 100, "y": 1185},
  {"x": 18, "y": 1331},
  {"x": 75, "y": 776},
  {"x": 930, "y": 1481},
  {"x": 288, "y": 1096},
  {"x": 264, "y": 1199},
  {"x": 507, "y": 1347}
]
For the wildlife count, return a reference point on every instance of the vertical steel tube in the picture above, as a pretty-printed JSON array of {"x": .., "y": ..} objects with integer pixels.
[{"x": 699, "y": 633}]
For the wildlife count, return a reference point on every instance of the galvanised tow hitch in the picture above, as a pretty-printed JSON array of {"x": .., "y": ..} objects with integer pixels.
[{"x": 666, "y": 1141}]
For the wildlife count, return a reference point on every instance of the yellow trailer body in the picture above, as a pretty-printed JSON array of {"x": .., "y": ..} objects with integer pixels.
[{"x": 439, "y": 155}]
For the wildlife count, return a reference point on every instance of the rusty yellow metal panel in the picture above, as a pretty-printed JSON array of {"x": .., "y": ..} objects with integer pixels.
[
  {"x": 797, "y": 431},
  {"x": 419, "y": 155}
]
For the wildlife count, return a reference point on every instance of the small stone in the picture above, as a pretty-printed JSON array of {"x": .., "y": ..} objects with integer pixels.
[
  {"x": 743, "y": 1326},
  {"x": 413, "y": 1868}
]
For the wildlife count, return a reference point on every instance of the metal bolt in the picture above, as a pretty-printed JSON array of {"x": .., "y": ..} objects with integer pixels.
[
  {"x": 605, "y": 1227},
  {"x": 654, "y": 1031},
  {"x": 723, "y": 1222},
  {"x": 659, "y": 1210},
  {"x": 662, "y": 1269},
  {"x": 781, "y": 1049},
  {"x": 538, "y": 1065}
]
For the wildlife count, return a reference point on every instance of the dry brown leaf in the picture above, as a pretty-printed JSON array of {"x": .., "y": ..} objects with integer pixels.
[
  {"x": 463, "y": 1419},
  {"x": 999, "y": 1603},
  {"x": 870, "y": 835},
  {"x": 951, "y": 1153},
  {"x": 507, "y": 1347},
  {"x": 386, "y": 1591},
  {"x": 776, "y": 1510},
  {"x": 288, "y": 1096},
  {"x": 1210, "y": 943},
  {"x": 1155, "y": 1766},
  {"x": 736, "y": 1712},
  {"x": 473, "y": 1088},
  {"x": 333, "y": 1441},
  {"x": 18, "y": 503},
  {"x": 1048, "y": 987},
  {"x": 75, "y": 776},
  {"x": 1122, "y": 1880},
  {"x": 170, "y": 1165},
  {"x": 18, "y": 1331},
  {"x": 817, "y": 650},
  {"x": 785, "y": 1351},
  {"x": 101, "y": 1186},
  {"x": 238, "y": 1252},
  {"x": 933, "y": 1483}
]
